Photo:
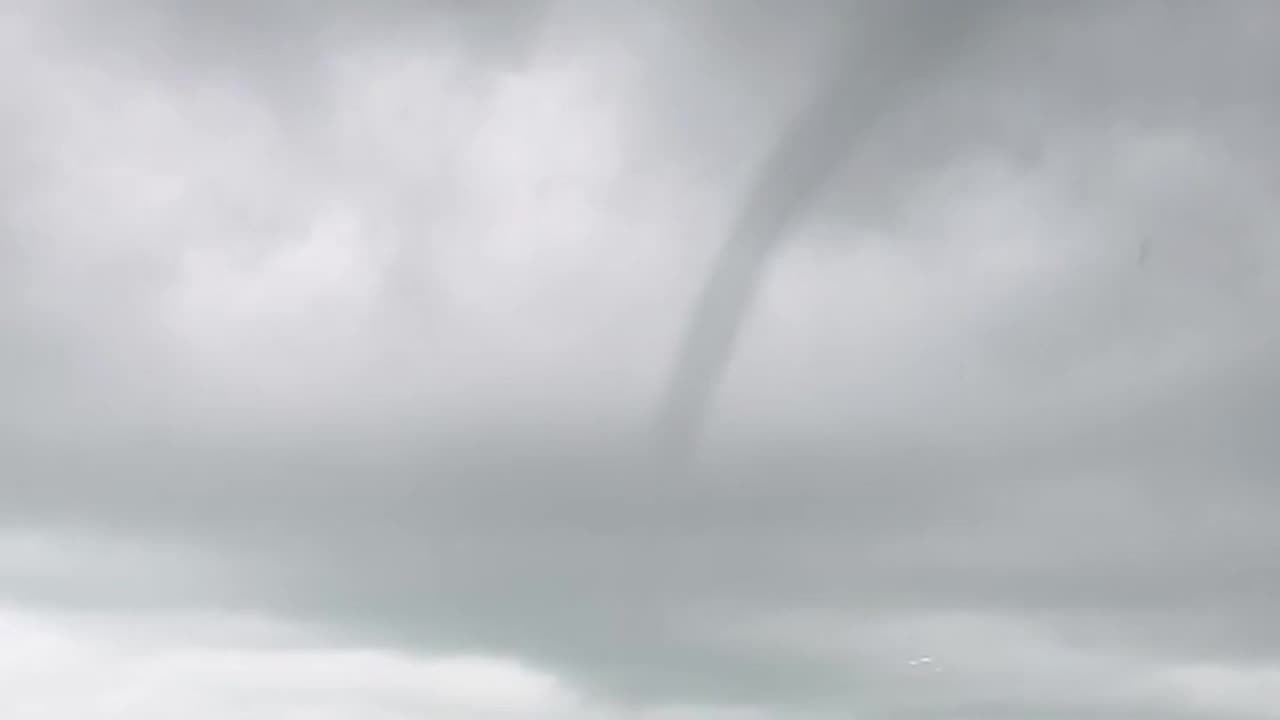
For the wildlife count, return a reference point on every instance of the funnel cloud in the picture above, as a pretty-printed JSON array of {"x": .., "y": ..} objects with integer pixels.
[{"x": 854, "y": 94}]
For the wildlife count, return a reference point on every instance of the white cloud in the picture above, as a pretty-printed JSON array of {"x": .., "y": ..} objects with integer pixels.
[
  {"x": 90, "y": 664},
  {"x": 1245, "y": 692},
  {"x": 980, "y": 660},
  {"x": 228, "y": 666},
  {"x": 59, "y": 667}
]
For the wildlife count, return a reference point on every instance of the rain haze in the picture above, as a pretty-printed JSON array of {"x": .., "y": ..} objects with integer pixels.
[{"x": 639, "y": 360}]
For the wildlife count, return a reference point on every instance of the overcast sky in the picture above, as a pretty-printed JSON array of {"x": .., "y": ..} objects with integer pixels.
[{"x": 332, "y": 336}]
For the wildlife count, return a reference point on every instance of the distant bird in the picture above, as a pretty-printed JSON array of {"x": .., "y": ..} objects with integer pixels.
[{"x": 924, "y": 664}]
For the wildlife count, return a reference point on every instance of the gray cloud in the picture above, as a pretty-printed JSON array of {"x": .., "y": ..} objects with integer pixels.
[{"x": 360, "y": 314}]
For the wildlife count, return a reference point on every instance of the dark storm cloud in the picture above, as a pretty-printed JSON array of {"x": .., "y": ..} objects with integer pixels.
[{"x": 1079, "y": 525}]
